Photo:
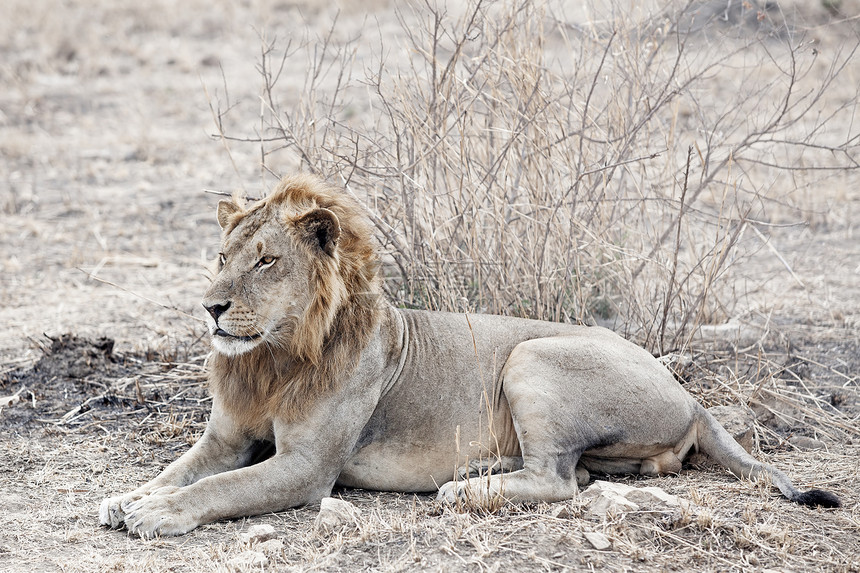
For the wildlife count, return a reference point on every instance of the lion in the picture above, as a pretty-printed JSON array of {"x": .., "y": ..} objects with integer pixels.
[{"x": 310, "y": 360}]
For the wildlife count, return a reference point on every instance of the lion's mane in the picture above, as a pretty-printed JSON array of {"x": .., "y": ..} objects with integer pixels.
[{"x": 282, "y": 380}]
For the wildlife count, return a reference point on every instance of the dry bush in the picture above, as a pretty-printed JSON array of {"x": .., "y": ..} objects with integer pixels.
[{"x": 517, "y": 162}]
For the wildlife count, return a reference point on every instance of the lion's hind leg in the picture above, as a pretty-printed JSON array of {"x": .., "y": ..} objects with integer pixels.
[
  {"x": 489, "y": 466},
  {"x": 550, "y": 430},
  {"x": 505, "y": 478},
  {"x": 521, "y": 485}
]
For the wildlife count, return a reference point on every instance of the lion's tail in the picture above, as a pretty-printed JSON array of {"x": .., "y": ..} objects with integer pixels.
[{"x": 717, "y": 443}]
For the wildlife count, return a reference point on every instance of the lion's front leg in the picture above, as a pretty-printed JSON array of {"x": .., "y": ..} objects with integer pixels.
[
  {"x": 218, "y": 450},
  {"x": 278, "y": 483},
  {"x": 310, "y": 454}
]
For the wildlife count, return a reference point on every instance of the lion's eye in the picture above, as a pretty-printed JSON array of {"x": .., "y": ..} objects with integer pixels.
[
  {"x": 266, "y": 261},
  {"x": 222, "y": 259}
]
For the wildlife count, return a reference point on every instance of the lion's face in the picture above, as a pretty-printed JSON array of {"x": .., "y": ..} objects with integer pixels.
[{"x": 265, "y": 280}]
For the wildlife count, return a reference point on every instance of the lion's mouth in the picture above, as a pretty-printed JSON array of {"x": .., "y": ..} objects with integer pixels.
[{"x": 224, "y": 334}]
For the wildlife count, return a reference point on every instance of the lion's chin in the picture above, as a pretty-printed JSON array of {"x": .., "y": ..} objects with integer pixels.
[{"x": 233, "y": 346}]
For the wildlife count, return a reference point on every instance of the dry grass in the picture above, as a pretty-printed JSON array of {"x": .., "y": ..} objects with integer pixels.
[
  {"x": 517, "y": 163},
  {"x": 142, "y": 414},
  {"x": 515, "y": 159},
  {"x": 734, "y": 526}
]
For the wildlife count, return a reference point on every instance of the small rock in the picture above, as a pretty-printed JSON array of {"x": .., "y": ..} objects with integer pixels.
[
  {"x": 248, "y": 559},
  {"x": 607, "y": 496},
  {"x": 651, "y": 496},
  {"x": 258, "y": 534},
  {"x": 611, "y": 502},
  {"x": 560, "y": 512},
  {"x": 270, "y": 547},
  {"x": 804, "y": 443},
  {"x": 334, "y": 514},
  {"x": 597, "y": 540},
  {"x": 600, "y": 486}
]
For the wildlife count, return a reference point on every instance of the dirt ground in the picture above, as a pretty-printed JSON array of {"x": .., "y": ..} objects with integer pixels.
[{"x": 106, "y": 149}]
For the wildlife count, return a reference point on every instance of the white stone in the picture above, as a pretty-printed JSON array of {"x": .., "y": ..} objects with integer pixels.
[
  {"x": 652, "y": 496},
  {"x": 599, "y": 487},
  {"x": 272, "y": 546},
  {"x": 560, "y": 512},
  {"x": 258, "y": 533},
  {"x": 606, "y": 496},
  {"x": 597, "y": 540},
  {"x": 248, "y": 559},
  {"x": 609, "y": 501},
  {"x": 334, "y": 514}
]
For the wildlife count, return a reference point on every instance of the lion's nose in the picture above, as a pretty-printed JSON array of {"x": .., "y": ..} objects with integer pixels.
[{"x": 216, "y": 310}]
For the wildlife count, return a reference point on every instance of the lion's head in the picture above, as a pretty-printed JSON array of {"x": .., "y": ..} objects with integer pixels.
[{"x": 289, "y": 265}]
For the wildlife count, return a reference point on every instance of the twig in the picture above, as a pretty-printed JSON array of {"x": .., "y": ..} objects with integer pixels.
[
  {"x": 849, "y": 379},
  {"x": 228, "y": 194},
  {"x": 217, "y": 119},
  {"x": 670, "y": 284},
  {"x": 147, "y": 299},
  {"x": 79, "y": 409},
  {"x": 773, "y": 250}
]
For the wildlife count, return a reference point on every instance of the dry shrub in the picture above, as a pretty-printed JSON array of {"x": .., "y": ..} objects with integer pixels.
[{"x": 516, "y": 161}]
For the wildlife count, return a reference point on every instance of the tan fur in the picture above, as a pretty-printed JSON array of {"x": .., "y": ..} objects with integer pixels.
[{"x": 350, "y": 390}]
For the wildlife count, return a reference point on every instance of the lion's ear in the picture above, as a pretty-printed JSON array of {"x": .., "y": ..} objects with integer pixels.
[
  {"x": 320, "y": 229},
  {"x": 225, "y": 210}
]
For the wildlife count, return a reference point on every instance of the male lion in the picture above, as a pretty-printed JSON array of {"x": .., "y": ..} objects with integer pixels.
[{"x": 349, "y": 390}]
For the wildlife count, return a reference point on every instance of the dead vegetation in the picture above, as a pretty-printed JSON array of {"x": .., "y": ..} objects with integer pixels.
[
  {"x": 624, "y": 166},
  {"x": 517, "y": 163}
]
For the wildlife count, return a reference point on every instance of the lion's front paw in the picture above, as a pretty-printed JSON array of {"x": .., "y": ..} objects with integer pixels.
[
  {"x": 111, "y": 511},
  {"x": 159, "y": 514}
]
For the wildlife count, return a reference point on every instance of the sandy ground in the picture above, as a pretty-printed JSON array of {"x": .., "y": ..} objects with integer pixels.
[{"x": 106, "y": 149}]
